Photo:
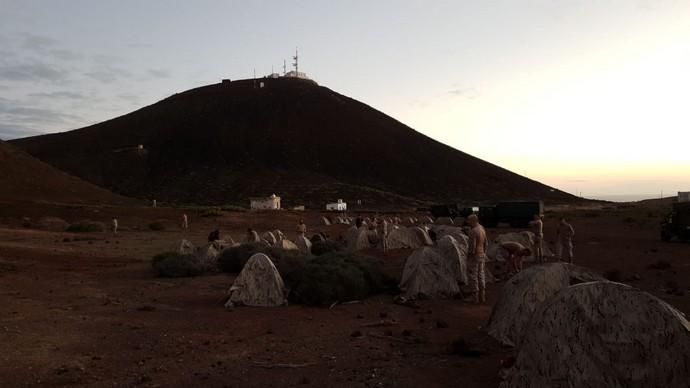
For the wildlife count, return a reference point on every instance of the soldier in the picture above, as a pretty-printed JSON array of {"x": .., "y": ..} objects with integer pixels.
[
  {"x": 115, "y": 225},
  {"x": 476, "y": 259},
  {"x": 301, "y": 229},
  {"x": 384, "y": 234},
  {"x": 538, "y": 229},
  {"x": 185, "y": 223},
  {"x": 515, "y": 252},
  {"x": 564, "y": 236}
]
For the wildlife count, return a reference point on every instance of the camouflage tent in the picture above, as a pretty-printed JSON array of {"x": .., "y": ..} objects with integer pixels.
[{"x": 603, "y": 334}]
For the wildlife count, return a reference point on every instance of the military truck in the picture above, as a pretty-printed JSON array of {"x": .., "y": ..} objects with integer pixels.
[
  {"x": 677, "y": 223},
  {"x": 516, "y": 213}
]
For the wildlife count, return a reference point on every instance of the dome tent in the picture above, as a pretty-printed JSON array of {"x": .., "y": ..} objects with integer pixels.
[
  {"x": 603, "y": 334},
  {"x": 259, "y": 284},
  {"x": 522, "y": 294},
  {"x": 427, "y": 274}
]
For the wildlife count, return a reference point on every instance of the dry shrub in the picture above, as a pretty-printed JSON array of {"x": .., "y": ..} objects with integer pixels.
[
  {"x": 156, "y": 226},
  {"x": 322, "y": 247},
  {"x": 86, "y": 227},
  {"x": 175, "y": 265},
  {"x": 338, "y": 277}
]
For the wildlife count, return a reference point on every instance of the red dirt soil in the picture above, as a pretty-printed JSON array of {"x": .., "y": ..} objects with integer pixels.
[{"x": 89, "y": 311}]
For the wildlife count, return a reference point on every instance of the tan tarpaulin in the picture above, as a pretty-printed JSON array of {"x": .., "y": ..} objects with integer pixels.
[
  {"x": 450, "y": 249},
  {"x": 522, "y": 294},
  {"x": 304, "y": 245},
  {"x": 422, "y": 235},
  {"x": 455, "y": 231},
  {"x": 287, "y": 245},
  {"x": 362, "y": 238},
  {"x": 269, "y": 238},
  {"x": 444, "y": 221},
  {"x": 185, "y": 247},
  {"x": 603, "y": 334},
  {"x": 400, "y": 237},
  {"x": 428, "y": 274},
  {"x": 259, "y": 284}
]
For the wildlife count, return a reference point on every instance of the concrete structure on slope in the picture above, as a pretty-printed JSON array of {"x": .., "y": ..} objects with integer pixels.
[{"x": 265, "y": 203}]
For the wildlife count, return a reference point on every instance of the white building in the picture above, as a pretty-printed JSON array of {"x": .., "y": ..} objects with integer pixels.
[
  {"x": 337, "y": 206},
  {"x": 265, "y": 203},
  {"x": 684, "y": 196},
  {"x": 296, "y": 74}
]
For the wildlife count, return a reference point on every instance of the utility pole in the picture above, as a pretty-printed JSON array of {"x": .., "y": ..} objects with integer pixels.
[{"x": 284, "y": 67}]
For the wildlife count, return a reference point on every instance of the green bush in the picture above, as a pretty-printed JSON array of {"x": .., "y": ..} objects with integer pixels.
[
  {"x": 338, "y": 277},
  {"x": 174, "y": 265},
  {"x": 233, "y": 259},
  {"x": 319, "y": 248},
  {"x": 86, "y": 227},
  {"x": 233, "y": 208},
  {"x": 211, "y": 212},
  {"x": 156, "y": 226}
]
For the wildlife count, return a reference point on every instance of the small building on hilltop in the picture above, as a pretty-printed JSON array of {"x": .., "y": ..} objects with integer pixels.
[
  {"x": 265, "y": 203},
  {"x": 337, "y": 206}
]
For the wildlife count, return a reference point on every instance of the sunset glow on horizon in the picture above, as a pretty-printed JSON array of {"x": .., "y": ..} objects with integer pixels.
[{"x": 588, "y": 96}]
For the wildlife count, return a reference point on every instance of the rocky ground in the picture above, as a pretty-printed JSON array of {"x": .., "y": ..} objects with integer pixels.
[{"x": 86, "y": 310}]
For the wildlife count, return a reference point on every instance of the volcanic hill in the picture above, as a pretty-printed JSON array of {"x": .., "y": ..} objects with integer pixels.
[
  {"x": 24, "y": 178},
  {"x": 224, "y": 142}
]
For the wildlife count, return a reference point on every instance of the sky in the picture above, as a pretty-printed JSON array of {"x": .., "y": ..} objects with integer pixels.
[{"x": 590, "y": 96}]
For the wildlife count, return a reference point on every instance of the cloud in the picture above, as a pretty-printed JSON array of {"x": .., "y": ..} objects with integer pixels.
[
  {"x": 18, "y": 119},
  {"x": 158, "y": 73},
  {"x": 35, "y": 71},
  {"x": 108, "y": 74},
  {"x": 37, "y": 42},
  {"x": 59, "y": 95},
  {"x": 470, "y": 93}
]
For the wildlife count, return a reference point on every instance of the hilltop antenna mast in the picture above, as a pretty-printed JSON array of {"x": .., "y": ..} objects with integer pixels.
[
  {"x": 284, "y": 67},
  {"x": 296, "y": 63}
]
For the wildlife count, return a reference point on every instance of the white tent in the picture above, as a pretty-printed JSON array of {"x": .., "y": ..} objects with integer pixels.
[
  {"x": 448, "y": 230},
  {"x": 362, "y": 238},
  {"x": 269, "y": 238},
  {"x": 603, "y": 334},
  {"x": 422, "y": 235},
  {"x": 287, "y": 245},
  {"x": 304, "y": 245},
  {"x": 427, "y": 274},
  {"x": 185, "y": 247},
  {"x": 449, "y": 248},
  {"x": 400, "y": 237},
  {"x": 444, "y": 221},
  {"x": 523, "y": 293},
  {"x": 259, "y": 284},
  {"x": 326, "y": 221}
]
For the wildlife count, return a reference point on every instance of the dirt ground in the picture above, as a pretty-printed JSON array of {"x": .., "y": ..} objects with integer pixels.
[{"x": 86, "y": 310}]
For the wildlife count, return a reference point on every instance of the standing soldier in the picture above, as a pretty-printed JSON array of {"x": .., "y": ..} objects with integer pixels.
[
  {"x": 185, "y": 223},
  {"x": 477, "y": 258},
  {"x": 538, "y": 229},
  {"x": 301, "y": 229},
  {"x": 384, "y": 234},
  {"x": 115, "y": 225},
  {"x": 564, "y": 235}
]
